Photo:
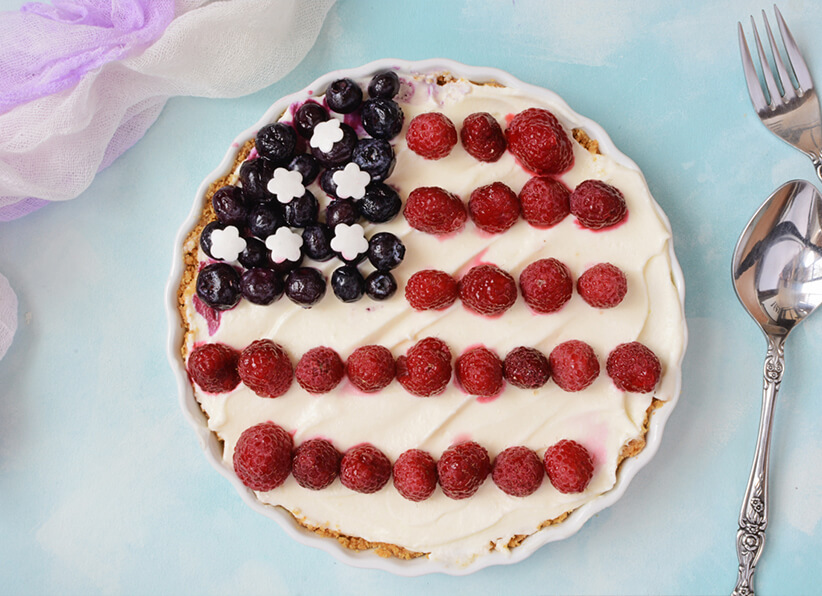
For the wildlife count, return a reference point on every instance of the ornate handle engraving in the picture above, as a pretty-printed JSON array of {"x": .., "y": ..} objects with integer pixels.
[{"x": 753, "y": 518}]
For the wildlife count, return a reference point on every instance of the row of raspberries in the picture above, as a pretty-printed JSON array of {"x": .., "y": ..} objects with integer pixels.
[
  {"x": 264, "y": 456},
  {"x": 425, "y": 370},
  {"x": 546, "y": 286},
  {"x": 543, "y": 202}
]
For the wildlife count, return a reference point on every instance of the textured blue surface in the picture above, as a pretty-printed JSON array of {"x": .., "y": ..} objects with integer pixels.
[{"x": 103, "y": 487}]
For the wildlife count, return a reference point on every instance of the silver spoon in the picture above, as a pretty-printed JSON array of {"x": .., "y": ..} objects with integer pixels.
[{"x": 777, "y": 275}]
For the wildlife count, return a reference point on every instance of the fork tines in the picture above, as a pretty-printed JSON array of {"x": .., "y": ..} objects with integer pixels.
[{"x": 798, "y": 67}]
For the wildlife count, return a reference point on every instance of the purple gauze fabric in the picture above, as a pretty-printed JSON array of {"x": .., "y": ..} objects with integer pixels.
[{"x": 48, "y": 48}]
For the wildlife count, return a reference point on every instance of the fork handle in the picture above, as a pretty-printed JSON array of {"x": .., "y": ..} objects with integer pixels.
[
  {"x": 753, "y": 518},
  {"x": 817, "y": 164}
]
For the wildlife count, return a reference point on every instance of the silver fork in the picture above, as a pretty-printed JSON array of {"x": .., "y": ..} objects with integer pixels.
[{"x": 789, "y": 111}]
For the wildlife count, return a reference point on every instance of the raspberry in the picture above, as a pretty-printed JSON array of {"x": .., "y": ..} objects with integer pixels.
[
  {"x": 365, "y": 469},
  {"x": 538, "y": 141},
  {"x": 462, "y": 468},
  {"x": 262, "y": 456},
  {"x": 597, "y": 205},
  {"x": 574, "y": 365},
  {"x": 316, "y": 463},
  {"x": 546, "y": 285},
  {"x": 431, "y": 135},
  {"x": 544, "y": 201},
  {"x": 434, "y": 210},
  {"x": 493, "y": 208},
  {"x": 479, "y": 371},
  {"x": 415, "y": 475},
  {"x": 265, "y": 368},
  {"x": 214, "y": 367},
  {"x": 319, "y": 370},
  {"x": 526, "y": 368},
  {"x": 633, "y": 367},
  {"x": 517, "y": 471},
  {"x": 488, "y": 290},
  {"x": 431, "y": 289},
  {"x": 370, "y": 368},
  {"x": 603, "y": 285},
  {"x": 482, "y": 137},
  {"x": 426, "y": 368},
  {"x": 569, "y": 466}
]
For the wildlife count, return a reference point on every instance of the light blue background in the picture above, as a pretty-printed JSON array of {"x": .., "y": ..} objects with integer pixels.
[{"x": 103, "y": 486}]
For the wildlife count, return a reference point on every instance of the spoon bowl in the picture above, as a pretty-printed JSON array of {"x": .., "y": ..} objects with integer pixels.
[{"x": 777, "y": 275}]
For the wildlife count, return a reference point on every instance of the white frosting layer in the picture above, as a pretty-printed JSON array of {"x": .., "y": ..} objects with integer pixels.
[{"x": 601, "y": 417}]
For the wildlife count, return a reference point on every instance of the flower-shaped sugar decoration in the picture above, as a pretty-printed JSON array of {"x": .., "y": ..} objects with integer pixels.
[
  {"x": 284, "y": 245},
  {"x": 351, "y": 181},
  {"x": 349, "y": 241},
  {"x": 286, "y": 184},
  {"x": 226, "y": 244},
  {"x": 326, "y": 134}
]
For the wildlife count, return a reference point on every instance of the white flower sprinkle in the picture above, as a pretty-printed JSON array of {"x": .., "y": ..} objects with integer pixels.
[
  {"x": 226, "y": 244},
  {"x": 326, "y": 134},
  {"x": 284, "y": 245},
  {"x": 287, "y": 185},
  {"x": 349, "y": 241},
  {"x": 351, "y": 181}
]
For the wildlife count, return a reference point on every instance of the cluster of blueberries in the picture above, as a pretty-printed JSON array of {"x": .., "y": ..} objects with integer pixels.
[{"x": 257, "y": 213}]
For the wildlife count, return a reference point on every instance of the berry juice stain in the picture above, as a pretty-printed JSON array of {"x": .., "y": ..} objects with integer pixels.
[{"x": 211, "y": 316}]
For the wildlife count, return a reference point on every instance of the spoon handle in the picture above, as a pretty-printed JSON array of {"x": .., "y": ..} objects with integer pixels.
[{"x": 753, "y": 518}]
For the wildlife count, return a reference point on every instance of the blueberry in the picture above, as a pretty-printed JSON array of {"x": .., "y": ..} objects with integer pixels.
[
  {"x": 277, "y": 143},
  {"x": 347, "y": 283},
  {"x": 285, "y": 267},
  {"x": 205, "y": 236},
  {"x": 380, "y": 285},
  {"x": 255, "y": 254},
  {"x": 307, "y": 117},
  {"x": 254, "y": 176},
  {"x": 380, "y": 204},
  {"x": 218, "y": 285},
  {"x": 341, "y": 211},
  {"x": 343, "y": 96},
  {"x": 229, "y": 205},
  {"x": 327, "y": 182},
  {"x": 302, "y": 211},
  {"x": 381, "y": 118},
  {"x": 307, "y": 165},
  {"x": 384, "y": 84},
  {"x": 261, "y": 286},
  {"x": 317, "y": 242},
  {"x": 265, "y": 218},
  {"x": 305, "y": 286},
  {"x": 340, "y": 151},
  {"x": 385, "y": 251},
  {"x": 376, "y": 157}
]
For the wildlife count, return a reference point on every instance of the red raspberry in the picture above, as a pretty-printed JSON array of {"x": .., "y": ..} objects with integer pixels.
[
  {"x": 482, "y": 137},
  {"x": 426, "y": 369},
  {"x": 431, "y": 135},
  {"x": 633, "y": 367},
  {"x": 493, "y": 208},
  {"x": 544, "y": 201},
  {"x": 316, "y": 464},
  {"x": 462, "y": 468},
  {"x": 526, "y": 368},
  {"x": 319, "y": 370},
  {"x": 371, "y": 368},
  {"x": 488, "y": 290},
  {"x": 365, "y": 469},
  {"x": 265, "y": 368},
  {"x": 603, "y": 285},
  {"x": 479, "y": 371},
  {"x": 574, "y": 365},
  {"x": 597, "y": 205},
  {"x": 538, "y": 141},
  {"x": 434, "y": 210},
  {"x": 546, "y": 285},
  {"x": 431, "y": 289},
  {"x": 517, "y": 471},
  {"x": 569, "y": 466},
  {"x": 262, "y": 456},
  {"x": 214, "y": 367},
  {"x": 415, "y": 475}
]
